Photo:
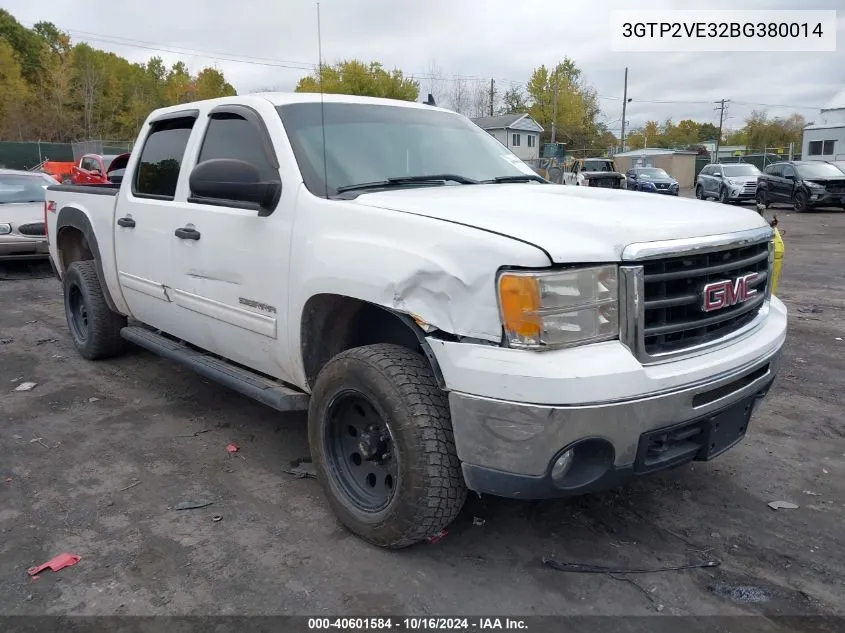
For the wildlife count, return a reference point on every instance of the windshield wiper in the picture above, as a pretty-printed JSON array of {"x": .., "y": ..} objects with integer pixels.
[
  {"x": 408, "y": 180},
  {"x": 523, "y": 178}
]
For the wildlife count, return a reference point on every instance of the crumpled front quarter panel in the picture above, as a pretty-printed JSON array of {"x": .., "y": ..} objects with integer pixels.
[{"x": 442, "y": 272}]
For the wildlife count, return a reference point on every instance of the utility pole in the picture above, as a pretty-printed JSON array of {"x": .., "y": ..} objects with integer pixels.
[
  {"x": 721, "y": 108},
  {"x": 624, "y": 108},
  {"x": 554, "y": 113},
  {"x": 492, "y": 94}
]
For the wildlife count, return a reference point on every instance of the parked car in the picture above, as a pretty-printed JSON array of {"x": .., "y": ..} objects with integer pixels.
[
  {"x": 540, "y": 341},
  {"x": 594, "y": 172},
  {"x": 652, "y": 179},
  {"x": 22, "y": 196},
  {"x": 806, "y": 184},
  {"x": 727, "y": 182},
  {"x": 92, "y": 169}
]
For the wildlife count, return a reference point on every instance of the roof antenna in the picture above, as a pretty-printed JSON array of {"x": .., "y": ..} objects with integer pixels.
[
  {"x": 322, "y": 105},
  {"x": 430, "y": 100}
]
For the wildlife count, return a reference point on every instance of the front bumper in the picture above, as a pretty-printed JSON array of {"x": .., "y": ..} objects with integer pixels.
[
  {"x": 827, "y": 200},
  {"x": 14, "y": 246},
  {"x": 508, "y": 446}
]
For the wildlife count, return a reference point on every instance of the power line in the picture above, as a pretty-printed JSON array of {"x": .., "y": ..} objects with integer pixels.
[{"x": 308, "y": 66}]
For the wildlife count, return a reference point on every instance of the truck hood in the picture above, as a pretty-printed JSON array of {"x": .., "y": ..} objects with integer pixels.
[{"x": 571, "y": 224}]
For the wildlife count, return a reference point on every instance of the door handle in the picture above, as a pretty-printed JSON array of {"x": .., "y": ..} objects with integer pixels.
[
  {"x": 187, "y": 234},
  {"x": 129, "y": 223}
]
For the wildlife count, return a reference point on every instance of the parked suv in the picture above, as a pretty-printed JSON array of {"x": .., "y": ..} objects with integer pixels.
[
  {"x": 733, "y": 182},
  {"x": 651, "y": 179},
  {"x": 806, "y": 184}
]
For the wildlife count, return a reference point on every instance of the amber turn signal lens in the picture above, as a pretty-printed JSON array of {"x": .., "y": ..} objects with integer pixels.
[{"x": 520, "y": 299}]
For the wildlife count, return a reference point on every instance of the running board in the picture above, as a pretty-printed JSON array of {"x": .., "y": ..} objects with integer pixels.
[{"x": 264, "y": 390}]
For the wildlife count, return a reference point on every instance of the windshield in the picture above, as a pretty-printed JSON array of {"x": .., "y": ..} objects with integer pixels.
[
  {"x": 598, "y": 165},
  {"x": 372, "y": 143},
  {"x": 16, "y": 188},
  {"x": 818, "y": 170},
  {"x": 654, "y": 173},
  {"x": 740, "y": 170}
]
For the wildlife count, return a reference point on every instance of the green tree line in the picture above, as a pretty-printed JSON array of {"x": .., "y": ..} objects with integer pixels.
[
  {"x": 54, "y": 90},
  {"x": 759, "y": 132}
]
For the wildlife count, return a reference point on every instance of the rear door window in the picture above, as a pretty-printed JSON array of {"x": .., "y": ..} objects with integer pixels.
[{"x": 161, "y": 159}]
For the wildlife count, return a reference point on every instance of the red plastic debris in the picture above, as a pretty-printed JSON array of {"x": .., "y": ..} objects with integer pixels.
[
  {"x": 58, "y": 563},
  {"x": 233, "y": 448},
  {"x": 9, "y": 480},
  {"x": 438, "y": 537}
]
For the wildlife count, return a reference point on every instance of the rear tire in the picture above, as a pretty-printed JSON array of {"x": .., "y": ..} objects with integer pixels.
[
  {"x": 94, "y": 328},
  {"x": 406, "y": 486}
]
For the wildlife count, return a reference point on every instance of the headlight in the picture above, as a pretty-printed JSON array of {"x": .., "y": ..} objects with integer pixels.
[
  {"x": 551, "y": 309},
  {"x": 813, "y": 186},
  {"x": 5, "y": 229}
]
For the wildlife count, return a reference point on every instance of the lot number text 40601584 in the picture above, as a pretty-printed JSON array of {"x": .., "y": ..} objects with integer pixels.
[{"x": 416, "y": 624}]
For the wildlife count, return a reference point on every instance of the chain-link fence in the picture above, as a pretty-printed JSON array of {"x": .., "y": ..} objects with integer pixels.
[{"x": 29, "y": 155}]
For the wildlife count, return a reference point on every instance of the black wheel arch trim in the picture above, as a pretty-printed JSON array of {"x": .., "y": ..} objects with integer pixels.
[
  {"x": 71, "y": 217},
  {"x": 424, "y": 345}
]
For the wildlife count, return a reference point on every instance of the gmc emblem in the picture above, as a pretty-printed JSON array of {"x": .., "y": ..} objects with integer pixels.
[{"x": 724, "y": 294}]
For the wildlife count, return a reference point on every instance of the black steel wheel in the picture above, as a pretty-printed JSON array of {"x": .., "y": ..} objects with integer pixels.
[
  {"x": 381, "y": 441},
  {"x": 77, "y": 314},
  {"x": 360, "y": 451},
  {"x": 94, "y": 328}
]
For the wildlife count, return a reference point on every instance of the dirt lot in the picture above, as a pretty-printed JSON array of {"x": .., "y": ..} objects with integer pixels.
[{"x": 96, "y": 459}]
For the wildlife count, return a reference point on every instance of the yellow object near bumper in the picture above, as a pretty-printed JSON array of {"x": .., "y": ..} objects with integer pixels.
[{"x": 779, "y": 248}]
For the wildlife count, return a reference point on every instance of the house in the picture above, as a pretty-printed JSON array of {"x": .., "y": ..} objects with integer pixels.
[
  {"x": 680, "y": 164},
  {"x": 826, "y": 140},
  {"x": 518, "y": 132}
]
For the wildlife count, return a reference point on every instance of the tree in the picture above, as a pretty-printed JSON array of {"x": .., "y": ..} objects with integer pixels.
[
  {"x": 514, "y": 101},
  {"x": 15, "y": 95},
  {"x": 577, "y": 104},
  {"x": 54, "y": 90},
  {"x": 458, "y": 96},
  {"x": 707, "y": 132},
  {"x": 354, "y": 77},
  {"x": 211, "y": 83}
]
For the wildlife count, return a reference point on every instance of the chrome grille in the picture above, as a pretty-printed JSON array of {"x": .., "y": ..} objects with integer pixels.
[
  {"x": 663, "y": 297},
  {"x": 750, "y": 187}
]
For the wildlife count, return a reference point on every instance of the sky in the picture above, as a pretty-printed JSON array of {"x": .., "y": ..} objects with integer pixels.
[{"x": 264, "y": 44}]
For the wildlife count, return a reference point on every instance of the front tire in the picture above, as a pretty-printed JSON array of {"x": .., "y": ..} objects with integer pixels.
[
  {"x": 723, "y": 196},
  {"x": 381, "y": 440},
  {"x": 94, "y": 328},
  {"x": 762, "y": 199},
  {"x": 699, "y": 193},
  {"x": 800, "y": 202}
]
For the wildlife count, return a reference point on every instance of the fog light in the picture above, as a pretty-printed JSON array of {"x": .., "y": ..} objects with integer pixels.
[
  {"x": 815, "y": 196},
  {"x": 5, "y": 229},
  {"x": 562, "y": 465}
]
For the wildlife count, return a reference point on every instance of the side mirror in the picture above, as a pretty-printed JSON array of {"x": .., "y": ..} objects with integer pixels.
[
  {"x": 717, "y": 175},
  {"x": 789, "y": 176},
  {"x": 232, "y": 182}
]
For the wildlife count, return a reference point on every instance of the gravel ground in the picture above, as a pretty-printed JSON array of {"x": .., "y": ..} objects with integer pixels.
[{"x": 98, "y": 456}]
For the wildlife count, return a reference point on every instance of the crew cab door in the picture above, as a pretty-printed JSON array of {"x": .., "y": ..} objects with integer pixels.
[
  {"x": 144, "y": 222},
  {"x": 788, "y": 182},
  {"x": 230, "y": 266}
]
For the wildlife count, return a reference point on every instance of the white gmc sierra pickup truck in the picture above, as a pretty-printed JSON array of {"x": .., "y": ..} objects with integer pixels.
[{"x": 450, "y": 320}]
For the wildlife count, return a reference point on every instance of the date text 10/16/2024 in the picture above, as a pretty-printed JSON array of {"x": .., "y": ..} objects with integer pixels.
[{"x": 416, "y": 624}]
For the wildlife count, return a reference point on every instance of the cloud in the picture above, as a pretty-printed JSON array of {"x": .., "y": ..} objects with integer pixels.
[{"x": 276, "y": 43}]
